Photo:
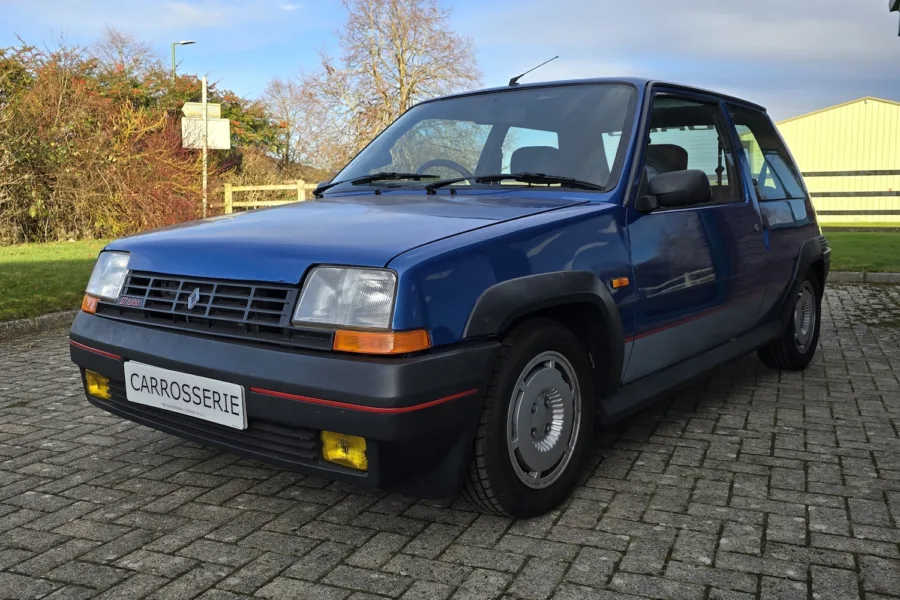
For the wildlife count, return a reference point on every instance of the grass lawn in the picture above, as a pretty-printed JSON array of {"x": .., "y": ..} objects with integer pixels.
[
  {"x": 36, "y": 279},
  {"x": 872, "y": 224},
  {"x": 873, "y": 252}
]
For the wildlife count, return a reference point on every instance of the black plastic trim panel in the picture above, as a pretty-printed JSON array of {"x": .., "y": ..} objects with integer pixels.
[{"x": 260, "y": 312}]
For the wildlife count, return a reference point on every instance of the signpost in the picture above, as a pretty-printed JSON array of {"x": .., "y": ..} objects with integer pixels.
[{"x": 202, "y": 127}]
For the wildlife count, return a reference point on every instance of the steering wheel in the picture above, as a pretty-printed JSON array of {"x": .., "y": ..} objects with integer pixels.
[{"x": 443, "y": 162}]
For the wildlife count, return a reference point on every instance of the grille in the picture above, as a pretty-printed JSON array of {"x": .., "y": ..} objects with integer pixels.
[
  {"x": 260, "y": 312},
  {"x": 287, "y": 444}
]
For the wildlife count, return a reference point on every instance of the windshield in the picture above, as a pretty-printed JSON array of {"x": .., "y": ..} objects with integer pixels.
[{"x": 572, "y": 131}]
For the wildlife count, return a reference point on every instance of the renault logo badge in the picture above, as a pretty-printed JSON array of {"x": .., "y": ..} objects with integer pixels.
[{"x": 193, "y": 299}]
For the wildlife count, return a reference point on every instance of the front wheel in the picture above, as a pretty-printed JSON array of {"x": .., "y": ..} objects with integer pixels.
[
  {"x": 795, "y": 349},
  {"x": 535, "y": 425}
]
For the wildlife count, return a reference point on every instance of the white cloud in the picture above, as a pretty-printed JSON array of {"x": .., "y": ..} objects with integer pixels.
[
  {"x": 290, "y": 7},
  {"x": 792, "y": 55},
  {"x": 816, "y": 30}
]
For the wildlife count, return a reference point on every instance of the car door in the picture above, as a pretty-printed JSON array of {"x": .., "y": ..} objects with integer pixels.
[
  {"x": 787, "y": 212},
  {"x": 696, "y": 269}
]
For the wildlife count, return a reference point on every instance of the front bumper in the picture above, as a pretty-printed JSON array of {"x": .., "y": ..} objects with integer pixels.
[{"x": 418, "y": 415}]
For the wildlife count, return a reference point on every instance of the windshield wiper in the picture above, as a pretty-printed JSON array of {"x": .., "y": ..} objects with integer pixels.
[
  {"x": 523, "y": 177},
  {"x": 385, "y": 175}
]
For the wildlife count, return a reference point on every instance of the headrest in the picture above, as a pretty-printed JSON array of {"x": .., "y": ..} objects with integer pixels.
[
  {"x": 668, "y": 156},
  {"x": 535, "y": 159}
]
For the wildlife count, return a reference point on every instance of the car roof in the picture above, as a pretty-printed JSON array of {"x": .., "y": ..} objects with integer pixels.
[{"x": 636, "y": 81}]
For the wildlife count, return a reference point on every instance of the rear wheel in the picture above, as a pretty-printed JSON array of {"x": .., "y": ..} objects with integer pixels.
[
  {"x": 795, "y": 349},
  {"x": 535, "y": 425}
]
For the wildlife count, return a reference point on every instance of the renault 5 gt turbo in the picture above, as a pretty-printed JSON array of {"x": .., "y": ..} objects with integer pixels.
[{"x": 495, "y": 274}]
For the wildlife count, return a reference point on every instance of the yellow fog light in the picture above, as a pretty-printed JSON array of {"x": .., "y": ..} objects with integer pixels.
[
  {"x": 345, "y": 450},
  {"x": 97, "y": 385}
]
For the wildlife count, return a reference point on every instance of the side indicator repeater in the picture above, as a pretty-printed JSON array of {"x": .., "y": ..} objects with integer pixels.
[{"x": 620, "y": 282}]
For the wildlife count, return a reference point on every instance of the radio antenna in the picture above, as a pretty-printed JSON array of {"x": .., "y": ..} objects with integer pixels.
[{"x": 515, "y": 80}]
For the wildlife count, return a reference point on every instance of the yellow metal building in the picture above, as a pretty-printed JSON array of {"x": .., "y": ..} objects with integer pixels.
[{"x": 850, "y": 158}]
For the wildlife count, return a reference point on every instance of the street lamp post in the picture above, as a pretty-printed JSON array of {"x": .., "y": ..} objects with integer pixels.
[{"x": 181, "y": 43}]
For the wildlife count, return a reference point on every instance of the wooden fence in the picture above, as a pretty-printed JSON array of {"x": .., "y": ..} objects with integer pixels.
[
  {"x": 302, "y": 190},
  {"x": 855, "y": 196}
]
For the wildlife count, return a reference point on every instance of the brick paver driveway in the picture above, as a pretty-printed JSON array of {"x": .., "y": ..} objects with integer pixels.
[{"x": 750, "y": 484}]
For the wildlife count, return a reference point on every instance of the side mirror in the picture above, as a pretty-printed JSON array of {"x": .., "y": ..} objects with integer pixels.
[{"x": 675, "y": 190}]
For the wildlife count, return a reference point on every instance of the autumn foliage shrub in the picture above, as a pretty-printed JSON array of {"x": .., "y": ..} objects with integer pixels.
[
  {"x": 92, "y": 149},
  {"x": 78, "y": 163}
]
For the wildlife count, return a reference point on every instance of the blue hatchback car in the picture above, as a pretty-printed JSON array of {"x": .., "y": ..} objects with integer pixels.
[{"x": 494, "y": 275}]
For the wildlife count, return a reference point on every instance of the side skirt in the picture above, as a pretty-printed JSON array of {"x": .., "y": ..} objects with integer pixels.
[{"x": 638, "y": 394}]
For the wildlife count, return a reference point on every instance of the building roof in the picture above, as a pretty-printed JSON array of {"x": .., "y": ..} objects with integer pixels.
[{"x": 823, "y": 110}]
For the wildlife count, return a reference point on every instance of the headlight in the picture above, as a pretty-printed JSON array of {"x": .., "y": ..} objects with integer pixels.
[
  {"x": 347, "y": 297},
  {"x": 109, "y": 275}
]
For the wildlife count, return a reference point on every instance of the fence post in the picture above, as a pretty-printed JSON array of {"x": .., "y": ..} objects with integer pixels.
[
  {"x": 228, "y": 198},
  {"x": 301, "y": 190}
]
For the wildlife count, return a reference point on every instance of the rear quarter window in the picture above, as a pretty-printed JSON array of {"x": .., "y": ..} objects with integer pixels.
[{"x": 771, "y": 166}]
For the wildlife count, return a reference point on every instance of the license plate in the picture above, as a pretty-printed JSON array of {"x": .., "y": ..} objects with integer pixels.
[{"x": 199, "y": 397}]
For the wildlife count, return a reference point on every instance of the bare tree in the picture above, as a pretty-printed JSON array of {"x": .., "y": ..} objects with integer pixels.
[
  {"x": 395, "y": 53},
  {"x": 309, "y": 133},
  {"x": 284, "y": 102},
  {"x": 124, "y": 53}
]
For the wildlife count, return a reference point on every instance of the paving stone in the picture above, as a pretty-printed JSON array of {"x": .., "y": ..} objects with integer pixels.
[
  {"x": 20, "y": 587},
  {"x": 377, "y": 550},
  {"x": 774, "y": 588},
  {"x": 192, "y": 583},
  {"x": 257, "y": 573},
  {"x": 741, "y": 537},
  {"x": 431, "y": 542},
  {"x": 485, "y": 531},
  {"x": 645, "y": 556},
  {"x": 593, "y": 567},
  {"x": 284, "y": 588},
  {"x": 278, "y": 542},
  {"x": 483, "y": 584},
  {"x": 880, "y": 575},
  {"x": 427, "y": 590},
  {"x": 13, "y": 556},
  {"x": 368, "y": 581},
  {"x": 538, "y": 579},
  {"x": 221, "y": 595},
  {"x": 217, "y": 552},
  {"x": 748, "y": 483},
  {"x": 537, "y": 548},
  {"x": 655, "y": 587},
  {"x": 72, "y": 592},
  {"x": 87, "y": 574},
  {"x": 319, "y": 561},
  {"x": 91, "y": 530},
  {"x": 154, "y": 563},
  {"x": 473, "y": 556},
  {"x": 29, "y": 539},
  {"x": 428, "y": 570},
  {"x": 834, "y": 584},
  {"x": 60, "y": 555},
  {"x": 695, "y": 547},
  {"x": 136, "y": 586}
]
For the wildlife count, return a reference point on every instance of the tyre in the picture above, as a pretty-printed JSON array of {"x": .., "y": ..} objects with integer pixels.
[
  {"x": 795, "y": 349},
  {"x": 536, "y": 423}
]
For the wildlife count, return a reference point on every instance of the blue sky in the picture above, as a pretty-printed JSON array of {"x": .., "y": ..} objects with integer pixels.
[{"x": 792, "y": 56}]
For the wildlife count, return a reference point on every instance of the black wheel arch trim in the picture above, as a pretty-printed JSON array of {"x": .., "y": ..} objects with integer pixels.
[
  {"x": 503, "y": 303},
  {"x": 811, "y": 251}
]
